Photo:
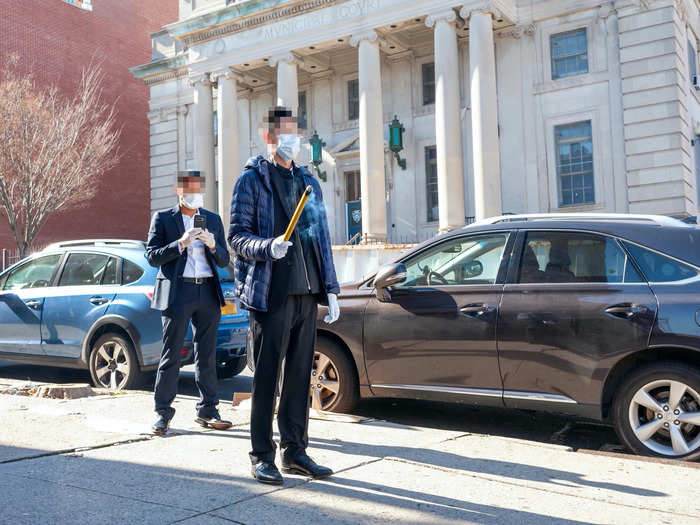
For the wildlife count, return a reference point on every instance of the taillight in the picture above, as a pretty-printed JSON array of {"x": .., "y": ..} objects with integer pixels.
[
  {"x": 184, "y": 352},
  {"x": 149, "y": 295}
]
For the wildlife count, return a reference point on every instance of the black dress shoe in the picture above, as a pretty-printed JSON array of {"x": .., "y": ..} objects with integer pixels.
[
  {"x": 266, "y": 472},
  {"x": 213, "y": 420},
  {"x": 160, "y": 427},
  {"x": 304, "y": 465}
]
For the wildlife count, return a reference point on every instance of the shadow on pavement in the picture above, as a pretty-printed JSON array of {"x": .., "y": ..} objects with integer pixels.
[
  {"x": 533, "y": 426},
  {"x": 79, "y": 489}
]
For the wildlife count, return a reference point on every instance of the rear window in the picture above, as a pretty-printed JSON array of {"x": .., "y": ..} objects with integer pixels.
[
  {"x": 130, "y": 272},
  {"x": 574, "y": 257},
  {"x": 658, "y": 268}
]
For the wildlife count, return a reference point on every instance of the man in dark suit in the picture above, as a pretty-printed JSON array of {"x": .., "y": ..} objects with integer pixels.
[{"x": 187, "y": 288}]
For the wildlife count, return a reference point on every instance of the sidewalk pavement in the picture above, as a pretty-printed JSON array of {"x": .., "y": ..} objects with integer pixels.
[{"x": 88, "y": 460}]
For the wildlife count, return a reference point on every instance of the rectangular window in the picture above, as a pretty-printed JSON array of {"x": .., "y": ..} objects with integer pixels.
[
  {"x": 431, "y": 183},
  {"x": 82, "y": 4},
  {"x": 428, "y": 83},
  {"x": 352, "y": 186},
  {"x": 302, "y": 117},
  {"x": 696, "y": 147},
  {"x": 692, "y": 62},
  {"x": 569, "y": 53},
  {"x": 353, "y": 99},
  {"x": 574, "y": 157}
]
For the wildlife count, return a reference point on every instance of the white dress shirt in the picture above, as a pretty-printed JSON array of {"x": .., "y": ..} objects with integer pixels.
[{"x": 197, "y": 264}]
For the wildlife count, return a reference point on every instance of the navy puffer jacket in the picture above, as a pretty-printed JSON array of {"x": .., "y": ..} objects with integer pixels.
[{"x": 251, "y": 233}]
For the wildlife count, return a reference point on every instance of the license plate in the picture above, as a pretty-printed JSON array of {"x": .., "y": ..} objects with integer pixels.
[{"x": 229, "y": 309}]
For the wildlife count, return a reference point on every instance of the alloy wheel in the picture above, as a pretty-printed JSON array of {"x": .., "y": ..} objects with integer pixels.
[
  {"x": 665, "y": 417},
  {"x": 325, "y": 382},
  {"x": 112, "y": 365}
]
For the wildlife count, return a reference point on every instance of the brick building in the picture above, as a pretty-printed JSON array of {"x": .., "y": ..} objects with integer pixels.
[{"x": 56, "y": 39}]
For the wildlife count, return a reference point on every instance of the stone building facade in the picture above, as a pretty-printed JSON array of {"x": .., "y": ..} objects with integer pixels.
[{"x": 507, "y": 105}]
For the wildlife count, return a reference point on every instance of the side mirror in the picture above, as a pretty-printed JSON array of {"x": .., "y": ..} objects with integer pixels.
[
  {"x": 473, "y": 269},
  {"x": 388, "y": 275}
]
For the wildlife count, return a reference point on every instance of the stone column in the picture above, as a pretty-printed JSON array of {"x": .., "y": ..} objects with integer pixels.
[
  {"x": 228, "y": 165},
  {"x": 372, "y": 179},
  {"x": 287, "y": 85},
  {"x": 181, "y": 138},
  {"x": 448, "y": 131},
  {"x": 204, "y": 137},
  {"x": 484, "y": 110}
]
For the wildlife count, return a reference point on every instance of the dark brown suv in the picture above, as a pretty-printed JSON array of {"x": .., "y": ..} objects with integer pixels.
[{"x": 591, "y": 315}]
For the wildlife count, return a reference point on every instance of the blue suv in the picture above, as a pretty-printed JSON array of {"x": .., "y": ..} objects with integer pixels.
[{"x": 85, "y": 304}]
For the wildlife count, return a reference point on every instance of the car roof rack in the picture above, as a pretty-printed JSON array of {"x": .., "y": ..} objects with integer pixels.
[
  {"x": 658, "y": 220},
  {"x": 126, "y": 243}
]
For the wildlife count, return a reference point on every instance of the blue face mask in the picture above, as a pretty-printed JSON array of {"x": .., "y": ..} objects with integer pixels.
[{"x": 288, "y": 146}]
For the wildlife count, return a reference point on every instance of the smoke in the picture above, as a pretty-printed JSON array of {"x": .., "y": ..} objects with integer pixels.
[{"x": 310, "y": 220}]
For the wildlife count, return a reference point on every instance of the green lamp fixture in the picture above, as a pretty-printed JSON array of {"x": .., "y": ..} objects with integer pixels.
[
  {"x": 317, "y": 155},
  {"x": 396, "y": 130}
]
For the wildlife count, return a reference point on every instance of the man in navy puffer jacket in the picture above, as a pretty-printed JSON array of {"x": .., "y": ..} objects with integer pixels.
[{"x": 281, "y": 283}]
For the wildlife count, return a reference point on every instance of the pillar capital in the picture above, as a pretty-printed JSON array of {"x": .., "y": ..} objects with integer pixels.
[
  {"x": 447, "y": 15},
  {"x": 499, "y": 10},
  {"x": 368, "y": 36},
  {"x": 200, "y": 80},
  {"x": 225, "y": 74},
  {"x": 286, "y": 58},
  {"x": 487, "y": 8}
]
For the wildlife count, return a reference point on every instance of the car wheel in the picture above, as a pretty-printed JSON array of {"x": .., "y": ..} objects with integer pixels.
[
  {"x": 113, "y": 363},
  {"x": 657, "y": 411},
  {"x": 334, "y": 385},
  {"x": 231, "y": 368}
]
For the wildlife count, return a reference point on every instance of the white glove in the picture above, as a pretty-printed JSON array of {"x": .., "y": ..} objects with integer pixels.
[
  {"x": 208, "y": 239},
  {"x": 189, "y": 237},
  {"x": 333, "y": 309},
  {"x": 279, "y": 247}
]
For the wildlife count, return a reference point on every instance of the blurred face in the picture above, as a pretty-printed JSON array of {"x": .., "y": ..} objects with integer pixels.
[
  {"x": 187, "y": 185},
  {"x": 287, "y": 126}
]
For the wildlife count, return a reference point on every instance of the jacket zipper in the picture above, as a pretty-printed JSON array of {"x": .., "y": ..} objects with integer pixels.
[
  {"x": 299, "y": 245},
  {"x": 303, "y": 260}
]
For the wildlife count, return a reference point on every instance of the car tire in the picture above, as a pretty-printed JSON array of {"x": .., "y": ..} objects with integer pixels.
[
  {"x": 113, "y": 363},
  {"x": 333, "y": 370},
  {"x": 231, "y": 368},
  {"x": 650, "y": 421}
]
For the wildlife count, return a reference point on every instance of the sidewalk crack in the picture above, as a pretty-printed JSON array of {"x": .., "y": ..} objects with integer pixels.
[{"x": 76, "y": 449}]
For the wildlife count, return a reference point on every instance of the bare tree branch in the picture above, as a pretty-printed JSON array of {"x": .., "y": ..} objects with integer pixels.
[{"x": 52, "y": 149}]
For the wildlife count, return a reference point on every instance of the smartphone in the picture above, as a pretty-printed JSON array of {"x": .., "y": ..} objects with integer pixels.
[{"x": 200, "y": 221}]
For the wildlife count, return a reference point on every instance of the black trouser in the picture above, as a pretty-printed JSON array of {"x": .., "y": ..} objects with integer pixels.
[
  {"x": 199, "y": 303},
  {"x": 288, "y": 332}
]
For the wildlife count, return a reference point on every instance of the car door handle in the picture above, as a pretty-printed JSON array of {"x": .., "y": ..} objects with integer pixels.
[
  {"x": 97, "y": 300},
  {"x": 477, "y": 310},
  {"x": 34, "y": 305},
  {"x": 626, "y": 311}
]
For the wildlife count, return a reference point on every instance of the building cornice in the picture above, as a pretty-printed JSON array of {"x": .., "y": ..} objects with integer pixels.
[
  {"x": 240, "y": 17},
  {"x": 162, "y": 67}
]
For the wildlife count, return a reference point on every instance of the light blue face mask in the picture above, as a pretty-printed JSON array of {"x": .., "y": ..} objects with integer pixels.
[{"x": 288, "y": 146}]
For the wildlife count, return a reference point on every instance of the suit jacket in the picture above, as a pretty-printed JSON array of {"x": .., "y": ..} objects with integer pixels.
[{"x": 162, "y": 251}]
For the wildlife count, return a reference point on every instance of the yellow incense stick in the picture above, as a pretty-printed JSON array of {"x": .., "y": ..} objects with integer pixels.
[{"x": 297, "y": 213}]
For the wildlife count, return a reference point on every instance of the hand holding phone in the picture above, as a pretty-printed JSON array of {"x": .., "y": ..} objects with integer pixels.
[{"x": 200, "y": 221}]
